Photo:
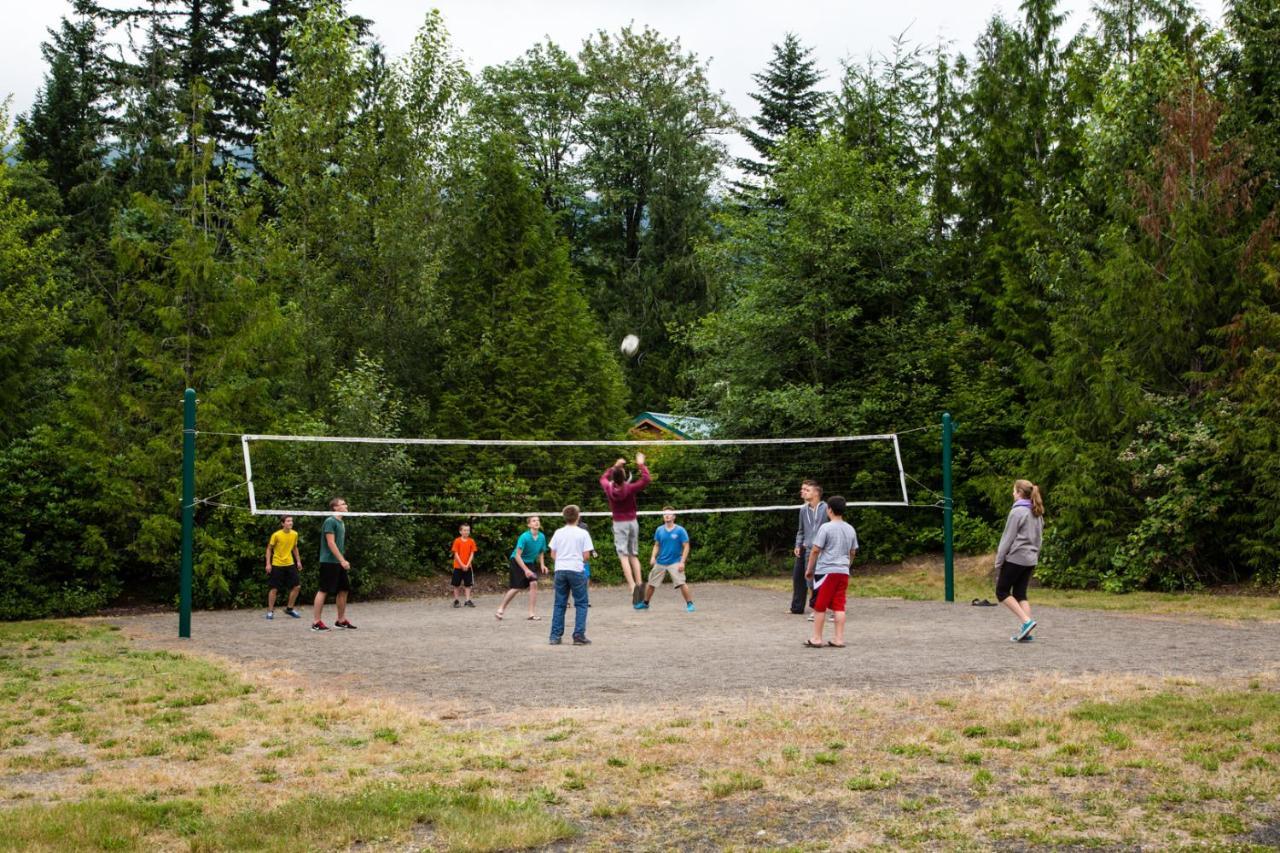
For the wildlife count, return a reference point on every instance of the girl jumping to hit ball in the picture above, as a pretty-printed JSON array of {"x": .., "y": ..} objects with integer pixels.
[{"x": 1018, "y": 554}]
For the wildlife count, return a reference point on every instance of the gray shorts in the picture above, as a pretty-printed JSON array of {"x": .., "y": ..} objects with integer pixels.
[
  {"x": 626, "y": 538},
  {"x": 657, "y": 571}
]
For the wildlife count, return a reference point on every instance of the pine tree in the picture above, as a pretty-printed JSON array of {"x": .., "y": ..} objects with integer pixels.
[
  {"x": 67, "y": 126},
  {"x": 789, "y": 103},
  {"x": 883, "y": 108}
]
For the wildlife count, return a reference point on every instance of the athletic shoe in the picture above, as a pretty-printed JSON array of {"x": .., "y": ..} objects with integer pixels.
[
  {"x": 271, "y": 614},
  {"x": 643, "y": 605},
  {"x": 343, "y": 623},
  {"x": 637, "y": 593},
  {"x": 580, "y": 640},
  {"x": 1027, "y": 639},
  {"x": 688, "y": 607},
  {"x": 293, "y": 613},
  {"x": 457, "y": 603},
  {"x": 1026, "y": 629},
  {"x": 810, "y": 619},
  {"x": 469, "y": 603},
  {"x": 554, "y": 641},
  {"x": 319, "y": 626}
]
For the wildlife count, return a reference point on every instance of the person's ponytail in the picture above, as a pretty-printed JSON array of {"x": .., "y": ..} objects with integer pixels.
[{"x": 1030, "y": 491}]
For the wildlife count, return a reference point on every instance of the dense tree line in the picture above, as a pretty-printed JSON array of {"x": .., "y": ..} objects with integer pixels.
[{"x": 1066, "y": 237}]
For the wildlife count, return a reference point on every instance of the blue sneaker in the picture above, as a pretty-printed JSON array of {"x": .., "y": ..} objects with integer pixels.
[
  {"x": 688, "y": 607},
  {"x": 293, "y": 614},
  {"x": 271, "y": 614},
  {"x": 554, "y": 641},
  {"x": 641, "y": 605},
  {"x": 1026, "y": 629}
]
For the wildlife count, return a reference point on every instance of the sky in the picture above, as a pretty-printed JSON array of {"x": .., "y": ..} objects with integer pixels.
[{"x": 734, "y": 36}]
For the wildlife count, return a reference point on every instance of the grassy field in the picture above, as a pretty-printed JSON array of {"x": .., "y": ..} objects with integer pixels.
[
  {"x": 921, "y": 579},
  {"x": 107, "y": 746}
]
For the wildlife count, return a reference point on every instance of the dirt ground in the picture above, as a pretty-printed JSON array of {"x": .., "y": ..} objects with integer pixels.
[{"x": 741, "y": 643}]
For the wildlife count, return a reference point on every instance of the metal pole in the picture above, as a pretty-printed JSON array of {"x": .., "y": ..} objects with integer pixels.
[
  {"x": 188, "y": 509},
  {"x": 948, "y": 552}
]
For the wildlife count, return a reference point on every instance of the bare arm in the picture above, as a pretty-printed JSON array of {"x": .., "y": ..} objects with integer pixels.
[
  {"x": 813, "y": 561},
  {"x": 684, "y": 555},
  {"x": 297, "y": 557},
  {"x": 269, "y": 557},
  {"x": 333, "y": 549}
]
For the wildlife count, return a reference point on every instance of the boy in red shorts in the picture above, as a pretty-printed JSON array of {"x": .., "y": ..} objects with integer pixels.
[{"x": 834, "y": 548}]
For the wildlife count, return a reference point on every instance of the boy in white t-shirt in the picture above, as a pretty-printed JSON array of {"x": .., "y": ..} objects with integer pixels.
[{"x": 569, "y": 547}]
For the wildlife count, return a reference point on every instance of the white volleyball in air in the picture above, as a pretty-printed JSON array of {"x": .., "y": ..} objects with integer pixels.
[{"x": 629, "y": 345}]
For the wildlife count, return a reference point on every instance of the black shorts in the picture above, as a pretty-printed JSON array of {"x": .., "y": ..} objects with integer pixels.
[
  {"x": 519, "y": 580},
  {"x": 334, "y": 579},
  {"x": 283, "y": 577},
  {"x": 1013, "y": 581},
  {"x": 463, "y": 577}
]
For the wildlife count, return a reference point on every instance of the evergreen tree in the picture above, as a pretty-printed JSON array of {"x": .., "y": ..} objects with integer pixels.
[
  {"x": 67, "y": 126},
  {"x": 33, "y": 315},
  {"x": 522, "y": 351},
  {"x": 1254, "y": 108},
  {"x": 1138, "y": 339},
  {"x": 789, "y": 101},
  {"x": 883, "y": 108}
]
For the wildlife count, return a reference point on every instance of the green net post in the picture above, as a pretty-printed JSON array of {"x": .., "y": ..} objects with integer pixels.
[
  {"x": 188, "y": 509},
  {"x": 948, "y": 549}
]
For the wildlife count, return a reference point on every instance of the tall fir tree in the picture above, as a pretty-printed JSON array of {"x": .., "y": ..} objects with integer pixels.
[
  {"x": 67, "y": 126},
  {"x": 522, "y": 350},
  {"x": 789, "y": 102}
]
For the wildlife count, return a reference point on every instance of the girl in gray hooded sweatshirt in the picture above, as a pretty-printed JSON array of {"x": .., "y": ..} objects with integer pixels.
[{"x": 1018, "y": 554}]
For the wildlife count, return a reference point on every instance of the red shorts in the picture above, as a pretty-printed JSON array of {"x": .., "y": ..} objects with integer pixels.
[{"x": 831, "y": 593}]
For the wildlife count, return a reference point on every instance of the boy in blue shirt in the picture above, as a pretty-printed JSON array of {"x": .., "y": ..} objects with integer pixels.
[
  {"x": 670, "y": 552},
  {"x": 528, "y": 556}
]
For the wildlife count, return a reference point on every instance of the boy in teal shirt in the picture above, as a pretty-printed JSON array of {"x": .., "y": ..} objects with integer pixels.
[{"x": 530, "y": 548}]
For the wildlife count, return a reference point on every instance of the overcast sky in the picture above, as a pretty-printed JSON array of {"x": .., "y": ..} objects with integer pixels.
[{"x": 734, "y": 36}]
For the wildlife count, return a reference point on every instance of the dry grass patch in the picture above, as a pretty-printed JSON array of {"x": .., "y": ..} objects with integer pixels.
[{"x": 182, "y": 752}]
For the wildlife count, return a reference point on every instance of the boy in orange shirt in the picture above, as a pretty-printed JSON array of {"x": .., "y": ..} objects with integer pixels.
[{"x": 464, "y": 551}]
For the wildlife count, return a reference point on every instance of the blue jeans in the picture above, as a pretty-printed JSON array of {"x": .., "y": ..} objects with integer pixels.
[{"x": 566, "y": 582}]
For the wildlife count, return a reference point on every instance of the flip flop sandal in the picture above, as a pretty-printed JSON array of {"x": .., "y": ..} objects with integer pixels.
[
  {"x": 498, "y": 616},
  {"x": 835, "y": 645},
  {"x": 534, "y": 619},
  {"x": 810, "y": 644},
  {"x": 982, "y": 602}
]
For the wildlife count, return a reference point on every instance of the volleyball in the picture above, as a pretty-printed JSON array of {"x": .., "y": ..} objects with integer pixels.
[{"x": 629, "y": 345}]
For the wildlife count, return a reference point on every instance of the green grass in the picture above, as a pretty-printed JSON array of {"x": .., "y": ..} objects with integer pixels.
[
  {"x": 458, "y": 820},
  {"x": 921, "y": 579},
  {"x": 733, "y": 782}
]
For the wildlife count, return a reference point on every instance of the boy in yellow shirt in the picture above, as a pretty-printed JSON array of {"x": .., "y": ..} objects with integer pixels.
[{"x": 284, "y": 567}]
